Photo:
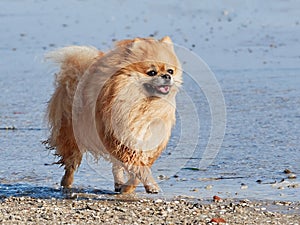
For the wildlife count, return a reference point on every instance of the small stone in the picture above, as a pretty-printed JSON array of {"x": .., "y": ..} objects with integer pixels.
[
  {"x": 225, "y": 12},
  {"x": 163, "y": 177},
  {"x": 244, "y": 186},
  {"x": 292, "y": 176},
  {"x": 158, "y": 201},
  {"x": 287, "y": 171},
  {"x": 294, "y": 186},
  {"x": 208, "y": 187}
]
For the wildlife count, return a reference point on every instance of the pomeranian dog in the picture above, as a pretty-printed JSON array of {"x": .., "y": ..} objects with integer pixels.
[{"x": 119, "y": 105}]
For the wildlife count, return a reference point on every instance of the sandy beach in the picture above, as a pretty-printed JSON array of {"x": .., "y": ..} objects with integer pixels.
[{"x": 26, "y": 210}]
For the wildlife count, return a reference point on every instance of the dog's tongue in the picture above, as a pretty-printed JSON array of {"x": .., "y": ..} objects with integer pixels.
[{"x": 164, "y": 89}]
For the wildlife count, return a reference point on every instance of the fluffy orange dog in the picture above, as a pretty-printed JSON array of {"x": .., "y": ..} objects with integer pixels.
[{"x": 119, "y": 105}]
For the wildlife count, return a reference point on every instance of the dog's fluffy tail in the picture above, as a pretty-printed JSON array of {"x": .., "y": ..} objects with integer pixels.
[{"x": 73, "y": 61}]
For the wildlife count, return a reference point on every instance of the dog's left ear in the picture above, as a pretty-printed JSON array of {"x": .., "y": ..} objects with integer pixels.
[
  {"x": 168, "y": 41},
  {"x": 129, "y": 42},
  {"x": 124, "y": 42}
]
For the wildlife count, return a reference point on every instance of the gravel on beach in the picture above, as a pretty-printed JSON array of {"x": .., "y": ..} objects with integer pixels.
[{"x": 27, "y": 210}]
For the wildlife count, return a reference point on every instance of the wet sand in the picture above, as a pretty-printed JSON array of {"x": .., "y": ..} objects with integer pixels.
[{"x": 27, "y": 210}]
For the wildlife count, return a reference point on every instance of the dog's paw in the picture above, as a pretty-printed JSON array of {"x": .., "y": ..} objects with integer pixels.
[
  {"x": 152, "y": 188},
  {"x": 127, "y": 189},
  {"x": 118, "y": 187}
]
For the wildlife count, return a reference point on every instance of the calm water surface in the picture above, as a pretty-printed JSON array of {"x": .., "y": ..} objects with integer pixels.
[{"x": 261, "y": 141}]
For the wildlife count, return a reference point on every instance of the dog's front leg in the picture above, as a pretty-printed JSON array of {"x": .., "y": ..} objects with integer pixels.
[
  {"x": 147, "y": 179},
  {"x": 140, "y": 174},
  {"x": 130, "y": 185},
  {"x": 118, "y": 173}
]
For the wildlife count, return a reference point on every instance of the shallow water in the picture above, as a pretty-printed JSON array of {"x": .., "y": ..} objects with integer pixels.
[
  {"x": 263, "y": 114},
  {"x": 261, "y": 141}
]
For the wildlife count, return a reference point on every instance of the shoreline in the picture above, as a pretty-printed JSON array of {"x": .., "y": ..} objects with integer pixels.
[{"x": 135, "y": 210}]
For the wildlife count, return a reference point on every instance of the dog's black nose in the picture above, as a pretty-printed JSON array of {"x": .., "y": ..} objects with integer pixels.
[{"x": 166, "y": 77}]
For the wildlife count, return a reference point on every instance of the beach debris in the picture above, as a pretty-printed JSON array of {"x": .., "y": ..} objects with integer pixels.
[
  {"x": 217, "y": 198},
  {"x": 8, "y": 128},
  {"x": 217, "y": 220},
  {"x": 191, "y": 168}
]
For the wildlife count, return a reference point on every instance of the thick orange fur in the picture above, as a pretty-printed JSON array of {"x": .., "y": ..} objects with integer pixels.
[{"x": 108, "y": 91}]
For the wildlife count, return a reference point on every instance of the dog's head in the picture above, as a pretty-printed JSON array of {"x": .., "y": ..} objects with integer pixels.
[{"x": 153, "y": 65}]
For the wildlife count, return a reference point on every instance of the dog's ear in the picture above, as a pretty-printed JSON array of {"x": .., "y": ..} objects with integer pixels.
[
  {"x": 129, "y": 42},
  {"x": 168, "y": 41},
  {"x": 133, "y": 43},
  {"x": 136, "y": 43},
  {"x": 122, "y": 43}
]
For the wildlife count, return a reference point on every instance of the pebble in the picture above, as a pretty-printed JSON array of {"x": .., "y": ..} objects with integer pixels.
[
  {"x": 292, "y": 176},
  {"x": 163, "y": 177},
  {"x": 158, "y": 201},
  {"x": 195, "y": 190},
  {"x": 244, "y": 186},
  {"x": 287, "y": 171},
  {"x": 208, "y": 187}
]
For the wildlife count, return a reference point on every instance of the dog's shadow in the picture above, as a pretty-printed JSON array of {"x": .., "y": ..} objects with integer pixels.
[{"x": 44, "y": 192}]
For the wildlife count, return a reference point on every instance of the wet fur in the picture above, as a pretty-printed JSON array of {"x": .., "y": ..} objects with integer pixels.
[{"x": 127, "y": 119}]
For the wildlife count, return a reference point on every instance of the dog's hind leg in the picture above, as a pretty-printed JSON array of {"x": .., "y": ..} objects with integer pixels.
[
  {"x": 67, "y": 149},
  {"x": 68, "y": 178},
  {"x": 71, "y": 165}
]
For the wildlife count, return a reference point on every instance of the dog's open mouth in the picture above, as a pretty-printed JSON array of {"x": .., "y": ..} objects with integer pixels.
[{"x": 161, "y": 89}]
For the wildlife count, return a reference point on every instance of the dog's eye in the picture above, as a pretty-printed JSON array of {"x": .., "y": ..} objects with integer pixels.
[
  {"x": 152, "y": 73},
  {"x": 170, "y": 71}
]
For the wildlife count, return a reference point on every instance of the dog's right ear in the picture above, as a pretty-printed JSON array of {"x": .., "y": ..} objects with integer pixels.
[{"x": 167, "y": 40}]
